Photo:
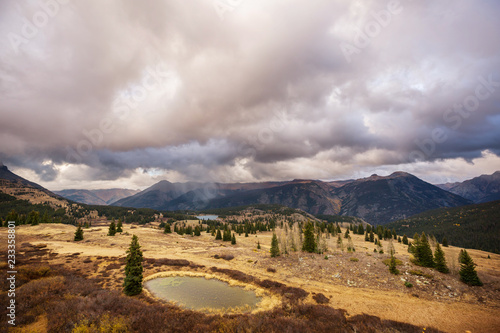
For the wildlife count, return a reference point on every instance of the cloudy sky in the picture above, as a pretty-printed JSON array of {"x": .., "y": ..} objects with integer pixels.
[{"x": 98, "y": 94}]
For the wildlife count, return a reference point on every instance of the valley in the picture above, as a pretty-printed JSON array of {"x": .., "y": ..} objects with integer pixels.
[
  {"x": 358, "y": 282},
  {"x": 345, "y": 279}
]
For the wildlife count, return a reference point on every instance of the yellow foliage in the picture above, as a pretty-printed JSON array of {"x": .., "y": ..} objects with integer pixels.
[{"x": 105, "y": 325}]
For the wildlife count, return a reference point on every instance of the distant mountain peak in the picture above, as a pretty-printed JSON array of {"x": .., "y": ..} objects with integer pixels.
[
  {"x": 401, "y": 174},
  {"x": 479, "y": 189}
]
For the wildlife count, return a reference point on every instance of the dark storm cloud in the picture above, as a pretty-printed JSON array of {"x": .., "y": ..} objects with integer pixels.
[{"x": 169, "y": 85}]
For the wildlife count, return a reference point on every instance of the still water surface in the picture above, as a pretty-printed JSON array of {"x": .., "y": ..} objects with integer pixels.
[{"x": 198, "y": 293}]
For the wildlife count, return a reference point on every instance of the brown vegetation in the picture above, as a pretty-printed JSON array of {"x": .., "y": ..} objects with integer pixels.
[{"x": 76, "y": 278}]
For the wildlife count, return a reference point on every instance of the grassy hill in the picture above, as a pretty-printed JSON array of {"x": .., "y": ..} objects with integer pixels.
[
  {"x": 10, "y": 203},
  {"x": 473, "y": 226}
]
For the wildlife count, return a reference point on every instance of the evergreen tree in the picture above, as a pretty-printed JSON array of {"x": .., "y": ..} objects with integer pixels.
[
  {"x": 119, "y": 226},
  {"x": 33, "y": 218},
  {"x": 218, "y": 235},
  {"x": 112, "y": 229},
  {"x": 387, "y": 234},
  {"x": 372, "y": 236},
  {"x": 309, "y": 244},
  {"x": 423, "y": 253},
  {"x": 45, "y": 218},
  {"x": 367, "y": 237},
  {"x": 346, "y": 235},
  {"x": 399, "y": 239},
  {"x": 233, "y": 239},
  {"x": 78, "y": 234},
  {"x": 440, "y": 261},
  {"x": 394, "y": 234},
  {"x": 467, "y": 271},
  {"x": 392, "y": 265},
  {"x": 275, "y": 250},
  {"x": 132, "y": 285},
  {"x": 167, "y": 229},
  {"x": 445, "y": 242},
  {"x": 338, "y": 229},
  {"x": 361, "y": 230},
  {"x": 405, "y": 240},
  {"x": 258, "y": 245},
  {"x": 197, "y": 231}
]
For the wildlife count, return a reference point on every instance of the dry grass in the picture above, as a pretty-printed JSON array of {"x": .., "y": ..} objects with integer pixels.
[{"x": 358, "y": 287}]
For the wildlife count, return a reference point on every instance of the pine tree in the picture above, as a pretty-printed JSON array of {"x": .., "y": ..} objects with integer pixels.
[
  {"x": 392, "y": 265},
  {"x": 112, "y": 229},
  {"x": 233, "y": 239},
  {"x": 346, "y": 235},
  {"x": 361, "y": 230},
  {"x": 33, "y": 218},
  {"x": 119, "y": 226},
  {"x": 399, "y": 239},
  {"x": 367, "y": 237},
  {"x": 275, "y": 250},
  {"x": 218, "y": 236},
  {"x": 167, "y": 229},
  {"x": 78, "y": 234},
  {"x": 467, "y": 271},
  {"x": 423, "y": 253},
  {"x": 445, "y": 242},
  {"x": 372, "y": 236},
  {"x": 197, "y": 231},
  {"x": 440, "y": 261},
  {"x": 309, "y": 244},
  {"x": 405, "y": 240},
  {"x": 45, "y": 218},
  {"x": 132, "y": 285},
  {"x": 258, "y": 245}
]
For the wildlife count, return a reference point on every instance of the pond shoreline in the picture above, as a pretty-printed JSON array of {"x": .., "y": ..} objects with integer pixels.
[{"x": 268, "y": 300}]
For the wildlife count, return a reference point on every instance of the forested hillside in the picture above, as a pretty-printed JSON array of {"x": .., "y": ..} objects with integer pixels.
[{"x": 473, "y": 226}]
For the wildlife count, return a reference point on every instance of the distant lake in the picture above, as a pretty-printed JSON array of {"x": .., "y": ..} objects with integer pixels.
[{"x": 207, "y": 217}]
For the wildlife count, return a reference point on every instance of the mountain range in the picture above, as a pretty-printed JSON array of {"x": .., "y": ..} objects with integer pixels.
[
  {"x": 376, "y": 199},
  {"x": 481, "y": 189},
  {"x": 97, "y": 197}
]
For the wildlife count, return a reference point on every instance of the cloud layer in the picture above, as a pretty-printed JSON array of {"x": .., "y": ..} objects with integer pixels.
[{"x": 247, "y": 90}]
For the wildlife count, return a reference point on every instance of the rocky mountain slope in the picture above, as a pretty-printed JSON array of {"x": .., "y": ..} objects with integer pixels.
[
  {"x": 96, "y": 197},
  {"x": 23, "y": 189},
  {"x": 479, "y": 189},
  {"x": 376, "y": 199},
  {"x": 380, "y": 200}
]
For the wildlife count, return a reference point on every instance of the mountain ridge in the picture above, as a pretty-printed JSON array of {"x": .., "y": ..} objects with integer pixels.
[
  {"x": 101, "y": 197},
  {"x": 479, "y": 189},
  {"x": 377, "y": 199}
]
